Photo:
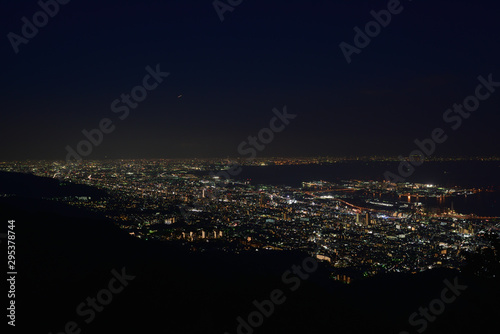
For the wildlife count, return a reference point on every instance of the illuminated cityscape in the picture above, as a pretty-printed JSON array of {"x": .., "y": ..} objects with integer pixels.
[
  {"x": 356, "y": 228},
  {"x": 250, "y": 167}
]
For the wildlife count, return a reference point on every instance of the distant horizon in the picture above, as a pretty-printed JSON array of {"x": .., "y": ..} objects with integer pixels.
[{"x": 236, "y": 158}]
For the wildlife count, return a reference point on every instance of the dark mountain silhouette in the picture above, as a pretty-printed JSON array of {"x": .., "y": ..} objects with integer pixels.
[
  {"x": 31, "y": 186},
  {"x": 64, "y": 255}
]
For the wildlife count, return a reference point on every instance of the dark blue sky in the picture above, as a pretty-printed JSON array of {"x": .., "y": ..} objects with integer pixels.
[{"x": 231, "y": 75}]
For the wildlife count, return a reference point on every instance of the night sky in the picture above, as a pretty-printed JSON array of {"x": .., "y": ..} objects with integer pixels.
[{"x": 226, "y": 77}]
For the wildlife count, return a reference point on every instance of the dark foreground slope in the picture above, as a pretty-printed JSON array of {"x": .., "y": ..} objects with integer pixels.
[{"x": 65, "y": 255}]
